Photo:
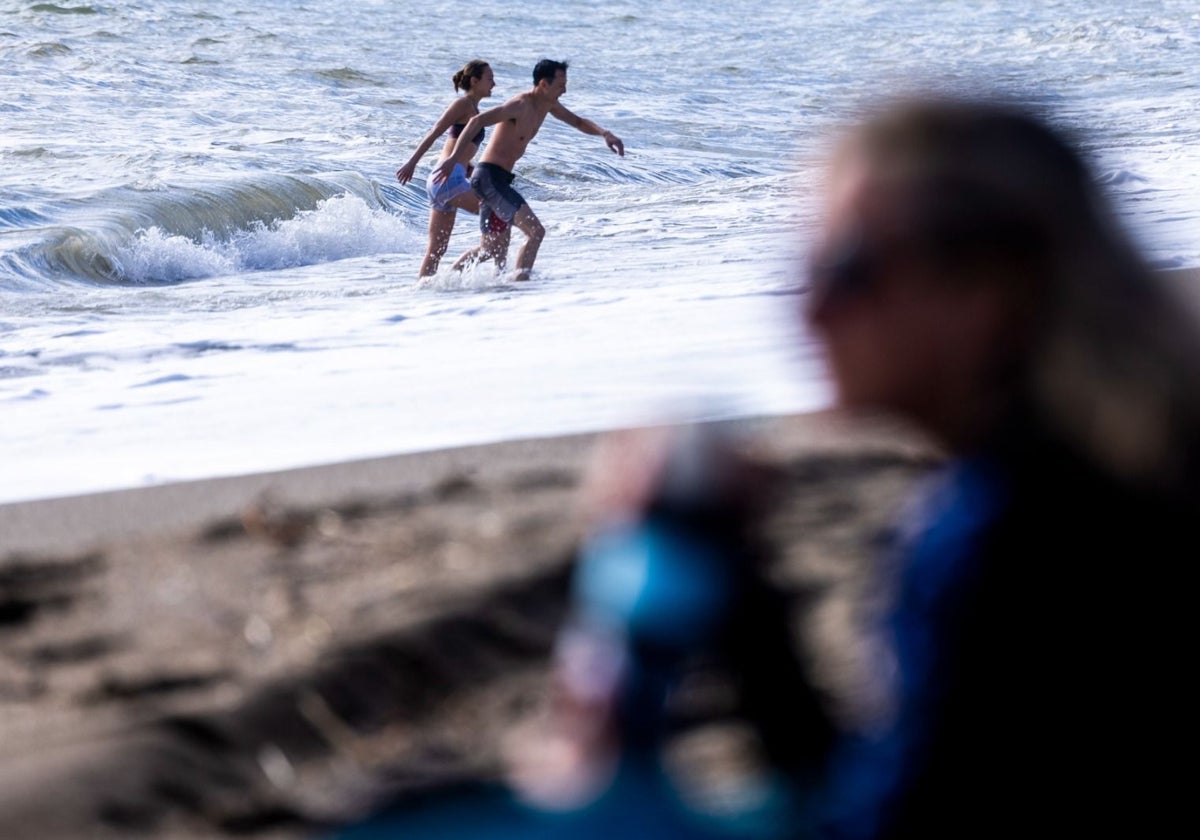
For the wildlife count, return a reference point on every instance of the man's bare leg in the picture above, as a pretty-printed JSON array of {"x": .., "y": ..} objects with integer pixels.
[
  {"x": 528, "y": 224},
  {"x": 499, "y": 248}
]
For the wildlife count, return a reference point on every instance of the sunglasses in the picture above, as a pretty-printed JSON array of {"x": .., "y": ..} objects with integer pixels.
[
  {"x": 847, "y": 269},
  {"x": 960, "y": 227}
]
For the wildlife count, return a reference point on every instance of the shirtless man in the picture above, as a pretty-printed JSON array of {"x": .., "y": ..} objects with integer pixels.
[{"x": 516, "y": 121}]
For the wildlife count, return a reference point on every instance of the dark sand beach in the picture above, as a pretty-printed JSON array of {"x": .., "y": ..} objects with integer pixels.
[{"x": 268, "y": 656}]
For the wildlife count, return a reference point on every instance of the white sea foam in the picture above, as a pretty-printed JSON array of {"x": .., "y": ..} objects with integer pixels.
[
  {"x": 158, "y": 257},
  {"x": 338, "y": 229}
]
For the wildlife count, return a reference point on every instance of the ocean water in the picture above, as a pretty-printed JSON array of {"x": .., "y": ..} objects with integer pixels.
[{"x": 208, "y": 268}]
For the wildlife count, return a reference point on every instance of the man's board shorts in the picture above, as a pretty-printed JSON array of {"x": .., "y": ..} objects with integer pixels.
[
  {"x": 440, "y": 195},
  {"x": 493, "y": 185}
]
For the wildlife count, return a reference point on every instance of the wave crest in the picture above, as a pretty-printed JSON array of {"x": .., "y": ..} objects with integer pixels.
[{"x": 176, "y": 234}]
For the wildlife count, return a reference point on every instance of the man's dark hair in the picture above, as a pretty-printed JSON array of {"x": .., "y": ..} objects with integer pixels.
[{"x": 547, "y": 69}]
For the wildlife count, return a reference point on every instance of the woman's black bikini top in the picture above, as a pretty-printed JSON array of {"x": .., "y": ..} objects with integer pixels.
[{"x": 457, "y": 129}]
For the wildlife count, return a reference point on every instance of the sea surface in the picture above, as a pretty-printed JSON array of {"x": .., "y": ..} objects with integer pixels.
[{"x": 208, "y": 268}]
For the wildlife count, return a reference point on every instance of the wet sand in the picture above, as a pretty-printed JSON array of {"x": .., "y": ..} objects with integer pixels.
[{"x": 272, "y": 655}]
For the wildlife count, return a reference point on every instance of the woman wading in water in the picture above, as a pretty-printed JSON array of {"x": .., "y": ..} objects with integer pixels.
[{"x": 476, "y": 81}]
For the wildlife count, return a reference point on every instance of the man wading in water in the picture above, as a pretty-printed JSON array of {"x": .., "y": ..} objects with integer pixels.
[{"x": 516, "y": 121}]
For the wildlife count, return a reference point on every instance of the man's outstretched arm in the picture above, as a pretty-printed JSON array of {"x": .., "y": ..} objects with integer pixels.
[{"x": 588, "y": 127}]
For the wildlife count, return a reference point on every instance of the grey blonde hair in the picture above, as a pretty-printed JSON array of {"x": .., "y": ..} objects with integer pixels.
[{"x": 1111, "y": 362}]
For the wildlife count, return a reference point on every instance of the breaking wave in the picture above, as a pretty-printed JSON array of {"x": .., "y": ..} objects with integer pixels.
[{"x": 177, "y": 234}]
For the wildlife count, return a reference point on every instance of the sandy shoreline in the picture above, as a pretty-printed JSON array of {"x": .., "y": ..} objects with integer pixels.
[
  {"x": 76, "y": 523},
  {"x": 265, "y": 655}
]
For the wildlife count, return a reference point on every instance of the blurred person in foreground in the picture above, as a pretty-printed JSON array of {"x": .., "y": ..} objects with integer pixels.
[
  {"x": 972, "y": 278},
  {"x": 677, "y": 706}
]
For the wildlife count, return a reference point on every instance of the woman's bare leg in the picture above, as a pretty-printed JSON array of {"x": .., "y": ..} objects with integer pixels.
[
  {"x": 468, "y": 257},
  {"x": 470, "y": 202},
  {"x": 467, "y": 201},
  {"x": 441, "y": 223}
]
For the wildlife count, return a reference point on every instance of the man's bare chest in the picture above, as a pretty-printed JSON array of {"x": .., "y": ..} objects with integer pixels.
[{"x": 527, "y": 124}]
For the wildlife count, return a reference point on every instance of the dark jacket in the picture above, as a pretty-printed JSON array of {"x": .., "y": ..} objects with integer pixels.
[{"x": 1042, "y": 636}]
